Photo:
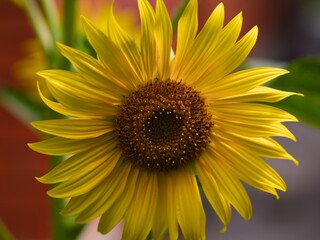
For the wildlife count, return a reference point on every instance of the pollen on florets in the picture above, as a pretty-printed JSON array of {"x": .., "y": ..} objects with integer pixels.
[{"x": 163, "y": 125}]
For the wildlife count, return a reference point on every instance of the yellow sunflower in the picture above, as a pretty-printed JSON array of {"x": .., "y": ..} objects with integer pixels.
[{"x": 143, "y": 132}]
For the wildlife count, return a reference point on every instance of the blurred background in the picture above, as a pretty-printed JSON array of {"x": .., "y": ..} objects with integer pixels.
[{"x": 288, "y": 29}]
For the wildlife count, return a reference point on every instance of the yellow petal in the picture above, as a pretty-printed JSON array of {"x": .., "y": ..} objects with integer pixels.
[
  {"x": 104, "y": 47},
  {"x": 138, "y": 220},
  {"x": 228, "y": 36},
  {"x": 254, "y": 129},
  {"x": 249, "y": 167},
  {"x": 114, "y": 214},
  {"x": 79, "y": 203},
  {"x": 74, "y": 103},
  {"x": 252, "y": 112},
  {"x": 226, "y": 39},
  {"x": 58, "y": 146},
  {"x": 126, "y": 43},
  {"x": 92, "y": 70},
  {"x": 148, "y": 43},
  {"x": 71, "y": 83},
  {"x": 259, "y": 94},
  {"x": 115, "y": 183},
  {"x": 163, "y": 36},
  {"x": 83, "y": 183},
  {"x": 77, "y": 110},
  {"x": 74, "y": 128},
  {"x": 231, "y": 59},
  {"x": 229, "y": 185},
  {"x": 161, "y": 216},
  {"x": 203, "y": 46},
  {"x": 190, "y": 213},
  {"x": 213, "y": 194},
  {"x": 187, "y": 30},
  {"x": 264, "y": 147},
  {"x": 241, "y": 82},
  {"x": 72, "y": 166},
  {"x": 171, "y": 205}
]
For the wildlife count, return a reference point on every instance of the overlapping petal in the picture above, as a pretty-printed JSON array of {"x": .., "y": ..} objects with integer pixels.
[
  {"x": 68, "y": 82},
  {"x": 114, "y": 186},
  {"x": 126, "y": 43},
  {"x": 187, "y": 30},
  {"x": 229, "y": 185},
  {"x": 240, "y": 82},
  {"x": 262, "y": 146},
  {"x": 110, "y": 55},
  {"x": 189, "y": 205},
  {"x": 93, "y": 71},
  {"x": 213, "y": 194},
  {"x": 198, "y": 55},
  {"x": 59, "y": 146},
  {"x": 171, "y": 206},
  {"x": 138, "y": 220},
  {"x": 87, "y": 160},
  {"x": 72, "y": 108},
  {"x": 235, "y": 55},
  {"x": 160, "y": 223},
  {"x": 252, "y": 112},
  {"x": 249, "y": 165},
  {"x": 84, "y": 182},
  {"x": 258, "y": 94},
  {"x": 254, "y": 129},
  {"x": 114, "y": 214}
]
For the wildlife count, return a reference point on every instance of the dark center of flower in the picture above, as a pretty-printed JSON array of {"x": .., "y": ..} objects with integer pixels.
[{"x": 163, "y": 125}]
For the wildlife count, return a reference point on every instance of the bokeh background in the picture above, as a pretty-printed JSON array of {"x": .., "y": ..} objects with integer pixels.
[{"x": 289, "y": 29}]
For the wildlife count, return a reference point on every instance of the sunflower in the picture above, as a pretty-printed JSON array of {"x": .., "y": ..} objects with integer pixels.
[{"x": 144, "y": 133}]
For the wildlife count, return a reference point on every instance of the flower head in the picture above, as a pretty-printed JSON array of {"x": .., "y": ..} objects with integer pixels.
[{"x": 143, "y": 131}]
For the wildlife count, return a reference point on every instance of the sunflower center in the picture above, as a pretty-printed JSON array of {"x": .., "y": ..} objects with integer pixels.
[{"x": 163, "y": 125}]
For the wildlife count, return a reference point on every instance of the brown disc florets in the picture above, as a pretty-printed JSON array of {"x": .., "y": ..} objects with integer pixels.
[{"x": 163, "y": 125}]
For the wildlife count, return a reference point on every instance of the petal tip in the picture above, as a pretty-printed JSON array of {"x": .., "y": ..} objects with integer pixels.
[
  {"x": 224, "y": 229},
  {"x": 30, "y": 145},
  {"x": 85, "y": 22},
  {"x": 41, "y": 179},
  {"x": 295, "y": 161}
]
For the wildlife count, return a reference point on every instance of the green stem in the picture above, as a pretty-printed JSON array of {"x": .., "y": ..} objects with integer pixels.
[
  {"x": 52, "y": 14},
  {"x": 69, "y": 27},
  {"x": 41, "y": 28},
  {"x": 4, "y": 232},
  {"x": 59, "y": 226},
  {"x": 178, "y": 14},
  {"x": 62, "y": 227}
]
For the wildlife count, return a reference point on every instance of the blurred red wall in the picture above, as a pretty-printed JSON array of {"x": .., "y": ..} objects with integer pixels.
[{"x": 23, "y": 201}]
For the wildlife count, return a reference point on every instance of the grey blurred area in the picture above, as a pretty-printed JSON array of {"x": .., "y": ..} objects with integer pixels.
[{"x": 296, "y": 32}]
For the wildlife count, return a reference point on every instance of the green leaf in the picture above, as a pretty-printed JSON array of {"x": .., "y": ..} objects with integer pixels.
[
  {"x": 178, "y": 14},
  {"x": 4, "y": 232},
  {"x": 304, "y": 77}
]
